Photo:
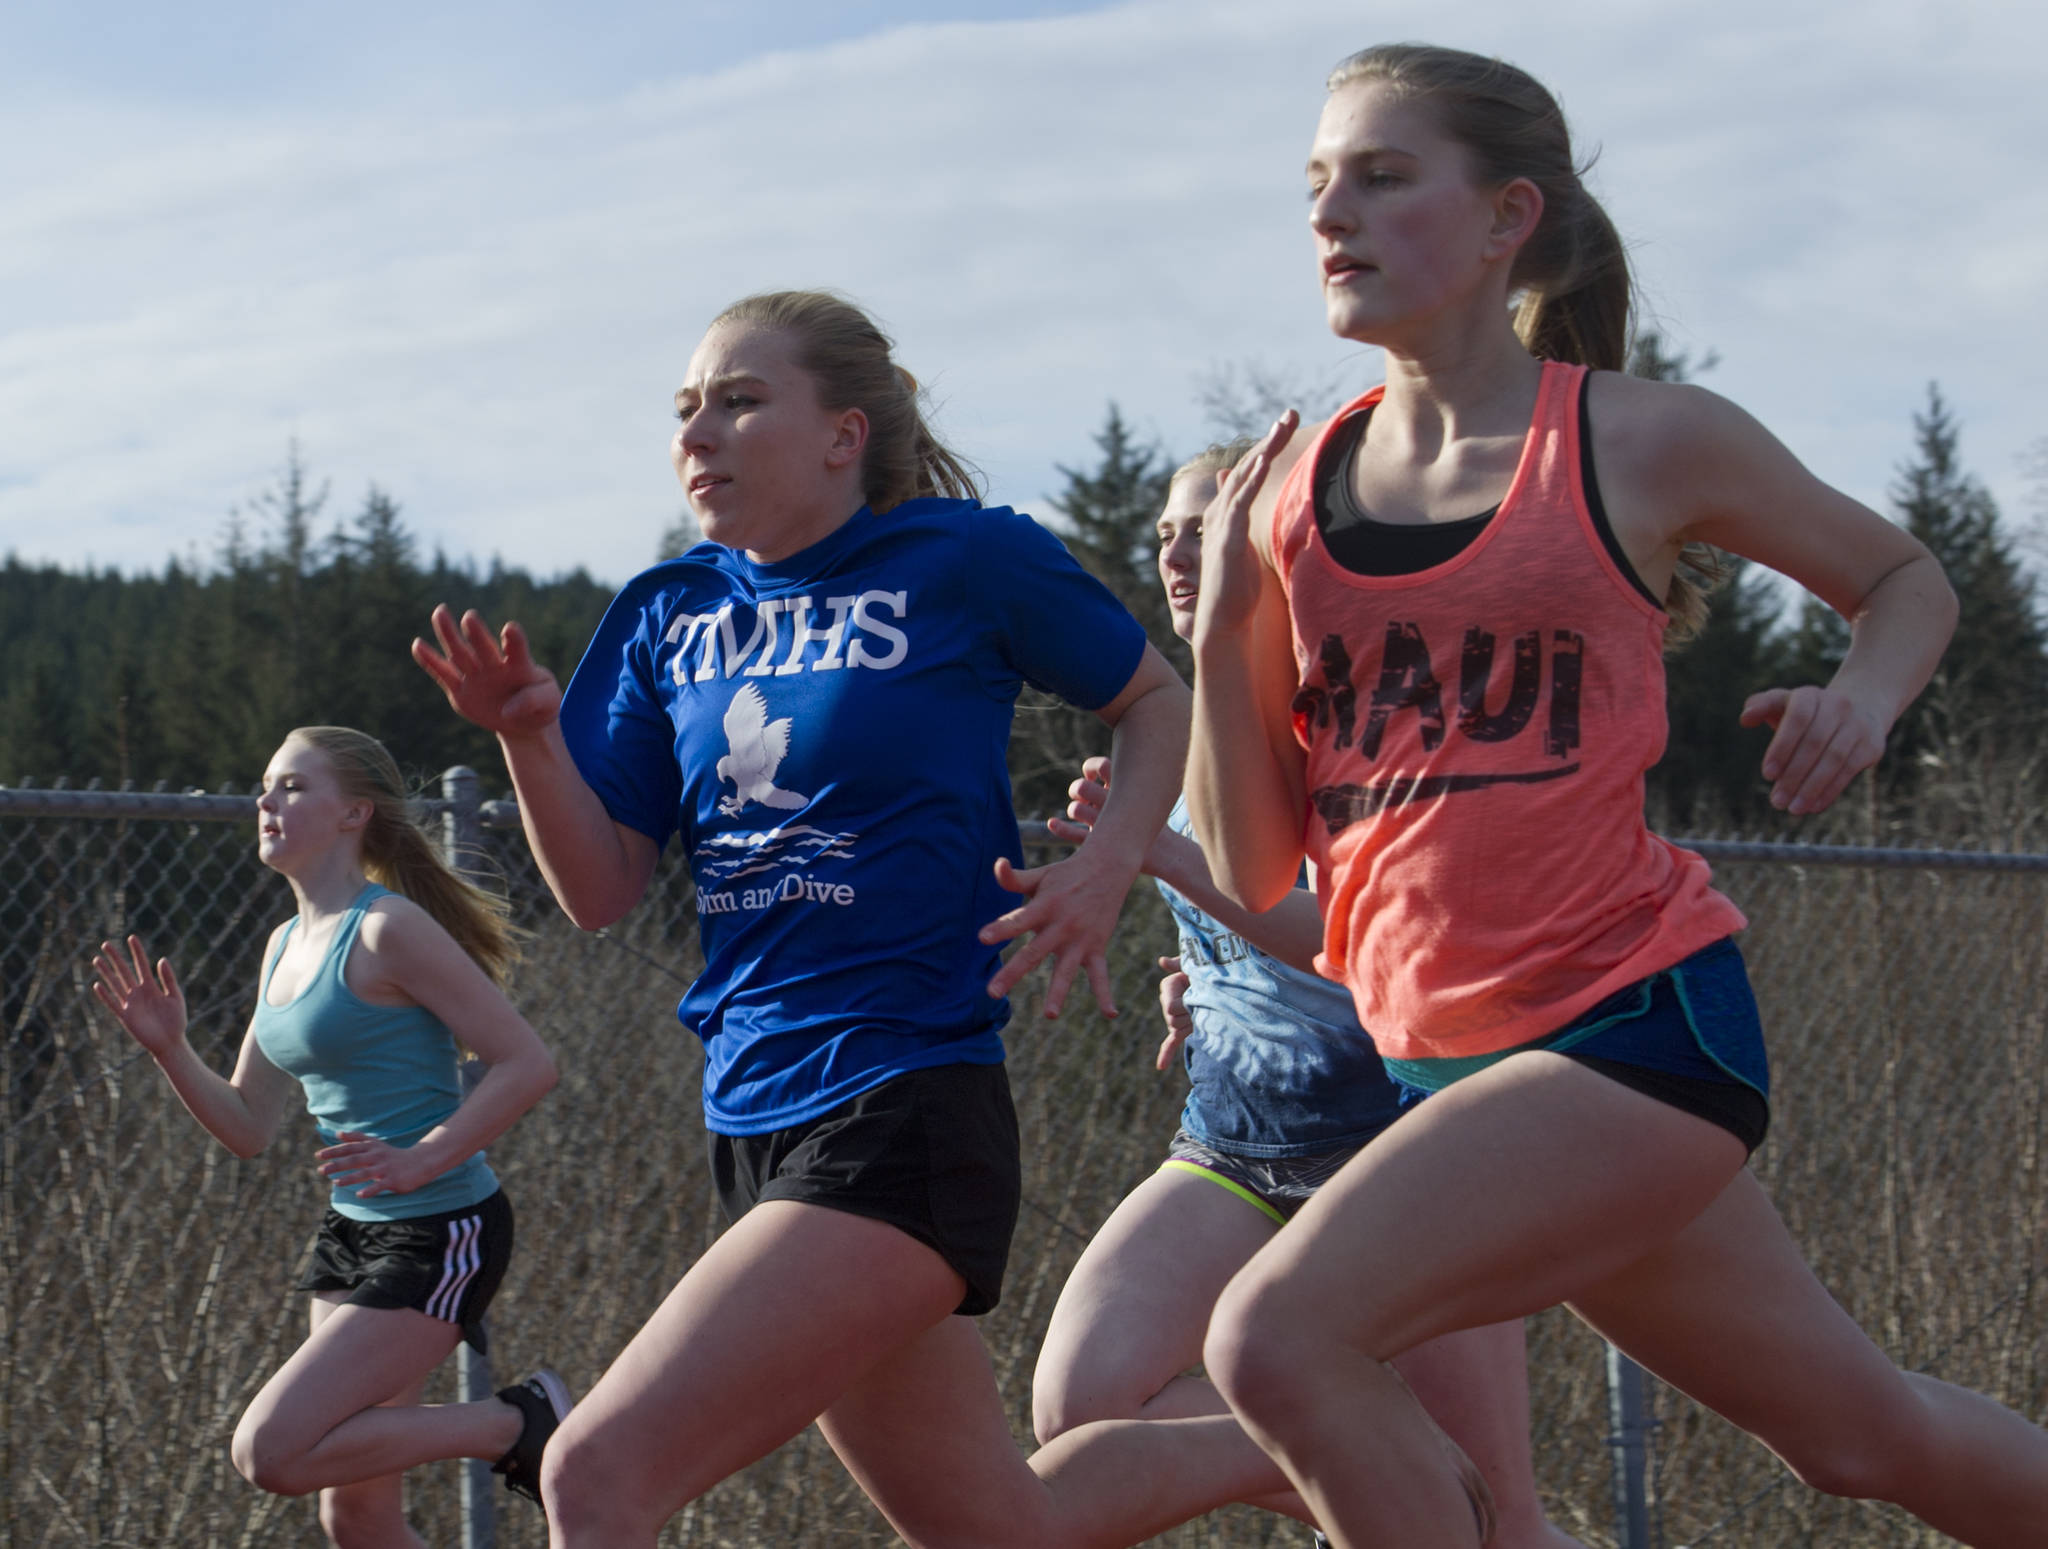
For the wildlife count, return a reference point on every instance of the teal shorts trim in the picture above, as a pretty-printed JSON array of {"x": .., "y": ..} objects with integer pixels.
[{"x": 1689, "y": 1036}]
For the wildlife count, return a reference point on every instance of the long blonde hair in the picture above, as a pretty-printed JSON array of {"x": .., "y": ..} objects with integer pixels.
[
  {"x": 1572, "y": 275},
  {"x": 398, "y": 854},
  {"x": 847, "y": 356}
]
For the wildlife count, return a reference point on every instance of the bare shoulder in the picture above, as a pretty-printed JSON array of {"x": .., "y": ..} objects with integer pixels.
[
  {"x": 1678, "y": 463},
  {"x": 404, "y": 956},
  {"x": 397, "y": 929},
  {"x": 1640, "y": 425},
  {"x": 394, "y": 910},
  {"x": 1674, "y": 460}
]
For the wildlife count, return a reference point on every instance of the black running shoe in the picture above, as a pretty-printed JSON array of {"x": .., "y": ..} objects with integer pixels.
[{"x": 543, "y": 1399}]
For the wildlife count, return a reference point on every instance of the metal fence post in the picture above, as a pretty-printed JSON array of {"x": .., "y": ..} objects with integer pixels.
[
  {"x": 461, "y": 833},
  {"x": 1628, "y": 1434}
]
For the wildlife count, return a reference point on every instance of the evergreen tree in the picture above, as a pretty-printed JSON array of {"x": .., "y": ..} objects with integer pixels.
[
  {"x": 1988, "y": 697},
  {"x": 283, "y": 609},
  {"x": 373, "y": 601},
  {"x": 1111, "y": 520},
  {"x": 193, "y": 677},
  {"x": 1814, "y": 647},
  {"x": 38, "y": 711},
  {"x": 1109, "y": 515}
]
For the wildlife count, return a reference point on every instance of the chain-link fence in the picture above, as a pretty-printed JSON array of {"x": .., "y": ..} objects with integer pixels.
[{"x": 145, "y": 1274}]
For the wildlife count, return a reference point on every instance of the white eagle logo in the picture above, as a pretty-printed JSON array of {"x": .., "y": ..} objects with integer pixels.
[{"x": 758, "y": 747}]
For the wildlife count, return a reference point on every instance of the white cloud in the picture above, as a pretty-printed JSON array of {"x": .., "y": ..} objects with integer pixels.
[{"x": 486, "y": 313}]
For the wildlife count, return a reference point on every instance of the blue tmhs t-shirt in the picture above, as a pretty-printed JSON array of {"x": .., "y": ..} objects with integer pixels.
[
  {"x": 825, "y": 735},
  {"x": 1277, "y": 1062}
]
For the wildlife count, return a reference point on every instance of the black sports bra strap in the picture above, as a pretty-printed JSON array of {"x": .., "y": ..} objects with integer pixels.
[{"x": 1589, "y": 486}]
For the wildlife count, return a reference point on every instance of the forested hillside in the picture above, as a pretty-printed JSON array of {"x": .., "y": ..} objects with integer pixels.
[{"x": 189, "y": 675}]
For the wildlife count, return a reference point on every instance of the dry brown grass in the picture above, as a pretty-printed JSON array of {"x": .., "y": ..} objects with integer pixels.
[{"x": 147, "y": 1274}]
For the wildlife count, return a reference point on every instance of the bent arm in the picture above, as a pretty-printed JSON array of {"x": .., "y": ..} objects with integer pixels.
[
  {"x": 1246, "y": 774},
  {"x": 1706, "y": 471},
  {"x": 1766, "y": 506},
  {"x": 1148, "y": 724},
  {"x": 596, "y": 868},
  {"x": 244, "y": 1111},
  {"x": 403, "y": 950},
  {"x": 1292, "y": 930},
  {"x": 1072, "y": 904}
]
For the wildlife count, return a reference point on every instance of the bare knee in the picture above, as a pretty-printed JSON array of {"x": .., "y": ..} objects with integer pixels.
[
  {"x": 1062, "y": 1401},
  {"x": 1253, "y": 1350},
  {"x": 584, "y": 1493},
  {"x": 266, "y": 1458},
  {"x": 1050, "y": 1414}
]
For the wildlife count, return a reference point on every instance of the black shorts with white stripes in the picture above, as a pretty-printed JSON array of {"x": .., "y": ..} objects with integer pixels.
[{"x": 447, "y": 1265}]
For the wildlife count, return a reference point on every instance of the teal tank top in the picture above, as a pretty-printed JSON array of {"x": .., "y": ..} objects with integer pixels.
[{"x": 387, "y": 1071}]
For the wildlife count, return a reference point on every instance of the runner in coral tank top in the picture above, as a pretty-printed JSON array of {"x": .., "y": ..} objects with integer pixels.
[
  {"x": 1506, "y": 702},
  {"x": 1427, "y": 659}
]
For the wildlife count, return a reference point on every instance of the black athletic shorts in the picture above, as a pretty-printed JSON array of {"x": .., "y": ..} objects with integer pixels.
[
  {"x": 447, "y": 1265},
  {"x": 933, "y": 1153}
]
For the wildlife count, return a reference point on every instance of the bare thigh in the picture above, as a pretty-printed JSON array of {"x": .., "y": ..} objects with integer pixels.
[
  {"x": 1131, "y": 1317},
  {"x": 783, "y": 1313},
  {"x": 354, "y": 1358},
  {"x": 369, "y": 1511},
  {"x": 1505, "y": 1194}
]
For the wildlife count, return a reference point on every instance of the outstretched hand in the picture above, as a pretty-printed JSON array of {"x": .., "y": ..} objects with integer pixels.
[
  {"x": 1230, "y": 577},
  {"x": 492, "y": 680},
  {"x": 149, "y": 1005},
  {"x": 1070, "y": 911},
  {"x": 1173, "y": 1006},
  {"x": 1825, "y": 738}
]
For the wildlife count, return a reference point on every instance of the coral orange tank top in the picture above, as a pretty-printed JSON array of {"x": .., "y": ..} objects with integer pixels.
[{"x": 1477, "y": 735}]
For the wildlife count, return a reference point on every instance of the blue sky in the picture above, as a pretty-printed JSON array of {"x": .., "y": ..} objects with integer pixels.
[
  {"x": 464, "y": 252},
  {"x": 256, "y": 57}
]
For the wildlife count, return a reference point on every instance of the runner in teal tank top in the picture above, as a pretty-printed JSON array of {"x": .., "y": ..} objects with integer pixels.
[
  {"x": 368, "y": 1069},
  {"x": 390, "y": 959}
]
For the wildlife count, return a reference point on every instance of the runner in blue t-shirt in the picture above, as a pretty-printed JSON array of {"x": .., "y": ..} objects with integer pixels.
[
  {"x": 816, "y": 702},
  {"x": 1284, "y": 1088}
]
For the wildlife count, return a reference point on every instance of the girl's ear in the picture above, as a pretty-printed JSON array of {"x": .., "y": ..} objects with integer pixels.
[
  {"x": 1517, "y": 208},
  {"x": 849, "y": 439},
  {"x": 357, "y": 814}
]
